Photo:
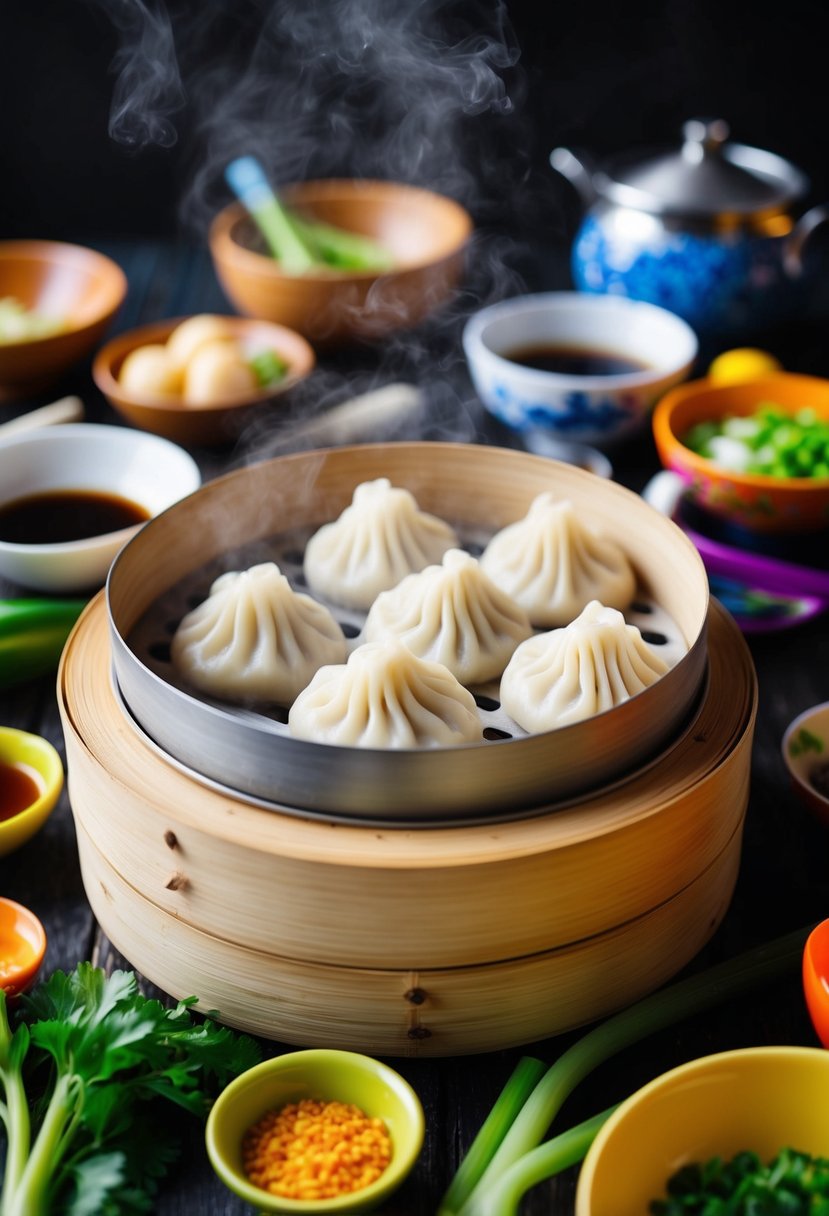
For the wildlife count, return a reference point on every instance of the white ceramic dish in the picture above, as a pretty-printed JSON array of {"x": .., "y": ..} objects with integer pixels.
[
  {"x": 584, "y": 409},
  {"x": 143, "y": 468}
]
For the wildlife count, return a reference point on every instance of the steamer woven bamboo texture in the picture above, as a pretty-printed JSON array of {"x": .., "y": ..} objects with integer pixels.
[{"x": 433, "y": 941}]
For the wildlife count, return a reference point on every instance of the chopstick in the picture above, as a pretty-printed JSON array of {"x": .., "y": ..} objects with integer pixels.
[{"x": 67, "y": 409}]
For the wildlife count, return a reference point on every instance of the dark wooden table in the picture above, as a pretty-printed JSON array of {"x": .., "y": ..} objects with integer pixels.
[{"x": 784, "y": 878}]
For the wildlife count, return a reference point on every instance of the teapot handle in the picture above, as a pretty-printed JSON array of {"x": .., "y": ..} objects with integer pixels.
[
  {"x": 795, "y": 244},
  {"x": 577, "y": 171}
]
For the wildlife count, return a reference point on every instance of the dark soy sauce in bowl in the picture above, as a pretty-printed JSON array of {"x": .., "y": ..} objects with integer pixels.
[
  {"x": 58, "y": 516},
  {"x": 575, "y": 360},
  {"x": 19, "y": 788}
]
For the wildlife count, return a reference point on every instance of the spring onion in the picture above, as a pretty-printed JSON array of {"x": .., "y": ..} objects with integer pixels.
[
  {"x": 499, "y": 1186},
  {"x": 300, "y": 244},
  {"x": 768, "y": 441},
  {"x": 792, "y": 1184},
  {"x": 32, "y": 636}
]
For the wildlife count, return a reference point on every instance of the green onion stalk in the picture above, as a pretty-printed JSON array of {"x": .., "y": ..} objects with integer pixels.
[{"x": 514, "y": 1160}]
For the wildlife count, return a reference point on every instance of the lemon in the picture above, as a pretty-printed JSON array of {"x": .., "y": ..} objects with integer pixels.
[{"x": 743, "y": 363}]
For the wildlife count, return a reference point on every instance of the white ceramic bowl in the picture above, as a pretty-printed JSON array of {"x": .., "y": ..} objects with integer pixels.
[
  {"x": 585, "y": 409},
  {"x": 142, "y": 468}
]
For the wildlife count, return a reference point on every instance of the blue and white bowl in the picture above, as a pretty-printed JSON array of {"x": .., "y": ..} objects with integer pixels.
[{"x": 598, "y": 409}]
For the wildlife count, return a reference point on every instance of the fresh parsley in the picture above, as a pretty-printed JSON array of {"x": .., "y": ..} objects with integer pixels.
[{"x": 82, "y": 1077}]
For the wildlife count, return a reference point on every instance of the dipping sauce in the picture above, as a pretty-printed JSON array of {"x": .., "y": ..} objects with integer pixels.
[
  {"x": 57, "y": 516},
  {"x": 20, "y": 787},
  {"x": 575, "y": 361}
]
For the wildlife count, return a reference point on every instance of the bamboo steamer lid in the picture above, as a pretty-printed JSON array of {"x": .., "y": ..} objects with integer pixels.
[{"x": 351, "y": 897}]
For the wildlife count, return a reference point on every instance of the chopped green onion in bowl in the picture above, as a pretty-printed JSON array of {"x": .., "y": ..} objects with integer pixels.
[
  {"x": 769, "y": 442},
  {"x": 21, "y": 324},
  {"x": 267, "y": 367}
]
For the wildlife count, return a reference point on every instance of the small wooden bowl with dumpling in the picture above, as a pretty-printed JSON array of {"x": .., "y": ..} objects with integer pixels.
[{"x": 199, "y": 380}]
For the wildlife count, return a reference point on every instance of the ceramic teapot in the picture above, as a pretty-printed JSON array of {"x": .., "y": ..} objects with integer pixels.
[{"x": 706, "y": 230}]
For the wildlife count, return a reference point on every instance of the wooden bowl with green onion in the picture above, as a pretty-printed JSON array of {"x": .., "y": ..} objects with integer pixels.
[
  {"x": 424, "y": 235},
  {"x": 152, "y": 394}
]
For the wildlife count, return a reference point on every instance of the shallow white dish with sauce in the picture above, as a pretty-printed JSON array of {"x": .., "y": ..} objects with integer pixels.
[{"x": 116, "y": 478}]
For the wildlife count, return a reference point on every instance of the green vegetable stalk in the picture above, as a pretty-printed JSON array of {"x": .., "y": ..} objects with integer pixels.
[
  {"x": 517, "y": 1162},
  {"x": 32, "y": 635},
  {"x": 88, "y": 1142}
]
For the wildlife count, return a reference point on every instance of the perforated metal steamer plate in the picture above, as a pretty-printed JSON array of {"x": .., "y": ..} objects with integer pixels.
[
  {"x": 267, "y": 511},
  {"x": 150, "y": 642}
]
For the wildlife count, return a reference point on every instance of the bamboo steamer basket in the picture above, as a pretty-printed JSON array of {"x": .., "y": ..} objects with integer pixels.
[
  {"x": 432, "y": 941},
  {"x": 238, "y": 519}
]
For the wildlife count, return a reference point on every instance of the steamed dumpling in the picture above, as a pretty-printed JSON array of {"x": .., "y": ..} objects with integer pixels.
[
  {"x": 385, "y": 697},
  {"x": 255, "y": 638},
  {"x": 593, "y": 664},
  {"x": 553, "y": 564},
  {"x": 452, "y": 614},
  {"x": 379, "y": 539}
]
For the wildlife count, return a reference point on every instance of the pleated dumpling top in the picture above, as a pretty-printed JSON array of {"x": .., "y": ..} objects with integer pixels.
[
  {"x": 452, "y": 614},
  {"x": 569, "y": 674},
  {"x": 255, "y": 639},
  {"x": 386, "y": 697},
  {"x": 377, "y": 540},
  {"x": 553, "y": 563}
]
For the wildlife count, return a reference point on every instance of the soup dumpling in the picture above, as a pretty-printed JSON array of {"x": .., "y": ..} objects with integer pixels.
[
  {"x": 553, "y": 563},
  {"x": 377, "y": 540},
  {"x": 386, "y": 697},
  {"x": 569, "y": 674},
  {"x": 452, "y": 614},
  {"x": 256, "y": 639}
]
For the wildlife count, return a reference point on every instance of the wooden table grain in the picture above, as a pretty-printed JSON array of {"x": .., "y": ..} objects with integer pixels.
[{"x": 784, "y": 876}]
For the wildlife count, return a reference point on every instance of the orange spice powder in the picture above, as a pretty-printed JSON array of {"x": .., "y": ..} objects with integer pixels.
[{"x": 315, "y": 1150}]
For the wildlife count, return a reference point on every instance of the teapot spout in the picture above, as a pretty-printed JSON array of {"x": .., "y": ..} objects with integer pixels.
[{"x": 577, "y": 173}]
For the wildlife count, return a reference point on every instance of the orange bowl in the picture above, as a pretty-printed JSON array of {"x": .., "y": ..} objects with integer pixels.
[
  {"x": 80, "y": 286},
  {"x": 204, "y": 424},
  {"x": 816, "y": 979},
  {"x": 425, "y": 233},
  {"x": 761, "y": 503},
  {"x": 22, "y": 947}
]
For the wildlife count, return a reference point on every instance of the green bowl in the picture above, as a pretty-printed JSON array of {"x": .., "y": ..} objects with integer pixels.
[{"x": 325, "y": 1075}]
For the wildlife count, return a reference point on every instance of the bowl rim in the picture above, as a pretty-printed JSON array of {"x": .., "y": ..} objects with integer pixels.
[
  {"x": 392, "y": 1176},
  {"x": 739, "y": 1057},
  {"x": 53, "y": 778},
  {"x": 701, "y": 466},
  {"x": 85, "y": 432},
  {"x": 795, "y": 725},
  {"x": 23, "y": 978},
  {"x": 222, "y": 241},
  {"x": 533, "y": 303},
  {"x": 35, "y": 249},
  {"x": 118, "y": 347}
]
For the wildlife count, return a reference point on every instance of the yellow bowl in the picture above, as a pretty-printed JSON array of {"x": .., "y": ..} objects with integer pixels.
[
  {"x": 22, "y": 947},
  {"x": 758, "y": 1098},
  {"x": 326, "y": 1075},
  {"x": 37, "y": 757}
]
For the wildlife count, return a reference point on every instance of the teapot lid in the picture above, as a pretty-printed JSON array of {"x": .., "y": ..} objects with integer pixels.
[{"x": 708, "y": 176}]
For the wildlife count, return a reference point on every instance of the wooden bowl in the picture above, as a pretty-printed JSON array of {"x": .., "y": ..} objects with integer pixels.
[
  {"x": 426, "y": 234},
  {"x": 80, "y": 286},
  {"x": 210, "y": 425},
  {"x": 805, "y": 749},
  {"x": 761, "y": 503}
]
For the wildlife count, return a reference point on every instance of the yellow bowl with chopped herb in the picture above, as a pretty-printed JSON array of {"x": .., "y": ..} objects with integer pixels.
[
  {"x": 758, "y": 1099},
  {"x": 322, "y": 1076},
  {"x": 276, "y": 358}
]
